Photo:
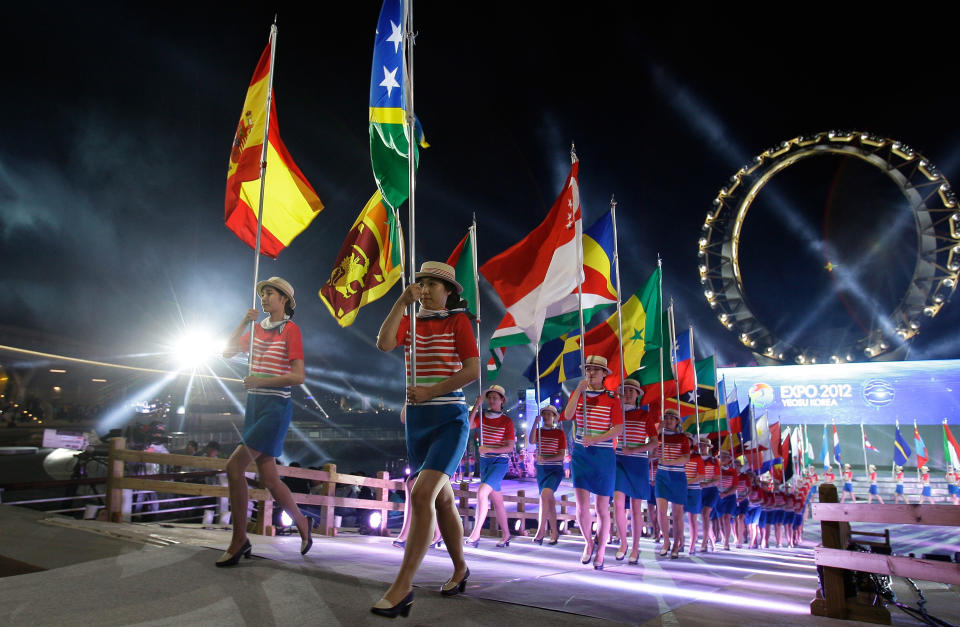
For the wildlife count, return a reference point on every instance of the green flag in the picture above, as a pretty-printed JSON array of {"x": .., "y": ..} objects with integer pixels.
[{"x": 463, "y": 261}]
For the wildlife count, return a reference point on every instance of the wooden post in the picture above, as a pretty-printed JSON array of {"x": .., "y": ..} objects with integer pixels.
[
  {"x": 327, "y": 511},
  {"x": 521, "y": 510},
  {"x": 464, "y": 503},
  {"x": 264, "y": 525},
  {"x": 114, "y": 474},
  {"x": 564, "y": 503},
  {"x": 383, "y": 495},
  {"x": 831, "y": 600}
]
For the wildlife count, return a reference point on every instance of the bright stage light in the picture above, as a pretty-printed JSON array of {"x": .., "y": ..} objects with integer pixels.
[
  {"x": 375, "y": 519},
  {"x": 195, "y": 348},
  {"x": 285, "y": 519},
  {"x": 516, "y": 525}
]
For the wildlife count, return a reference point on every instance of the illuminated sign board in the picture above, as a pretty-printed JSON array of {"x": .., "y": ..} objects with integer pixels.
[{"x": 875, "y": 392}]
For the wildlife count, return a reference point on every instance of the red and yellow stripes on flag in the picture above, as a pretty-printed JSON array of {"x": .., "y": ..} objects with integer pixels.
[
  {"x": 364, "y": 270},
  {"x": 289, "y": 202}
]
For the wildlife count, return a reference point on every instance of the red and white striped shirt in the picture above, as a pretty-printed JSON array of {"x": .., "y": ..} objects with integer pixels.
[
  {"x": 743, "y": 486},
  {"x": 711, "y": 468},
  {"x": 604, "y": 411},
  {"x": 727, "y": 476},
  {"x": 273, "y": 350},
  {"x": 443, "y": 343},
  {"x": 497, "y": 431},
  {"x": 673, "y": 445},
  {"x": 551, "y": 442},
  {"x": 694, "y": 469},
  {"x": 873, "y": 476},
  {"x": 638, "y": 426}
]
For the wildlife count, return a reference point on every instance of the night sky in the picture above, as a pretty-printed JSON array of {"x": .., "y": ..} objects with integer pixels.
[{"x": 117, "y": 123}]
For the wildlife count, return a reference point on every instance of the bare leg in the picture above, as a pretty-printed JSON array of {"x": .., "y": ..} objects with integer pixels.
[
  {"x": 636, "y": 522},
  {"x": 662, "y": 515},
  {"x": 551, "y": 503},
  {"x": 620, "y": 512},
  {"x": 741, "y": 530},
  {"x": 268, "y": 474},
  {"x": 405, "y": 529},
  {"x": 501, "y": 513},
  {"x": 725, "y": 530},
  {"x": 239, "y": 498},
  {"x": 707, "y": 527},
  {"x": 603, "y": 527},
  {"x": 480, "y": 516},
  {"x": 451, "y": 528},
  {"x": 423, "y": 497},
  {"x": 542, "y": 517},
  {"x": 677, "y": 527},
  {"x": 584, "y": 521},
  {"x": 693, "y": 532}
]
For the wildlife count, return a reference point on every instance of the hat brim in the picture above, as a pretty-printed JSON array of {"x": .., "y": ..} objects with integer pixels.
[
  {"x": 441, "y": 277},
  {"x": 263, "y": 284},
  {"x": 584, "y": 368}
]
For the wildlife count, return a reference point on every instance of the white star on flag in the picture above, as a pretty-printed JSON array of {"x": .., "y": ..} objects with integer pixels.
[
  {"x": 389, "y": 80},
  {"x": 691, "y": 396},
  {"x": 395, "y": 36}
]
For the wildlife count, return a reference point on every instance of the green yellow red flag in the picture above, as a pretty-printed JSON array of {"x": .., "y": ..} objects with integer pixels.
[
  {"x": 364, "y": 270},
  {"x": 289, "y": 202}
]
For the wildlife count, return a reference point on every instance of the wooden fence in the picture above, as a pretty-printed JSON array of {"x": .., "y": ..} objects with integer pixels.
[
  {"x": 327, "y": 501},
  {"x": 835, "y": 559}
]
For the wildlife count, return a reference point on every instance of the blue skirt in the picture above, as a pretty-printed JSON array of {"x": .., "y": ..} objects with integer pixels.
[
  {"x": 899, "y": 489},
  {"x": 874, "y": 490},
  {"x": 742, "y": 507},
  {"x": 652, "y": 498},
  {"x": 711, "y": 495},
  {"x": 633, "y": 477},
  {"x": 797, "y": 519},
  {"x": 694, "y": 504},
  {"x": 727, "y": 505},
  {"x": 265, "y": 423},
  {"x": 492, "y": 470},
  {"x": 436, "y": 436},
  {"x": 672, "y": 486},
  {"x": 848, "y": 487},
  {"x": 764, "y": 518},
  {"x": 954, "y": 490},
  {"x": 813, "y": 489},
  {"x": 753, "y": 516},
  {"x": 549, "y": 477},
  {"x": 594, "y": 469},
  {"x": 926, "y": 491}
]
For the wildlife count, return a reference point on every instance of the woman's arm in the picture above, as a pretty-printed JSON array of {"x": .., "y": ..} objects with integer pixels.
[
  {"x": 571, "y": 407},
  {"x": 387, "y": 338},
  {"x": 506, "y": 448},
  {"x": 533, "y": 432},
  {"x": 609, "y": 434},
  {"x": 232, "y": 348}
]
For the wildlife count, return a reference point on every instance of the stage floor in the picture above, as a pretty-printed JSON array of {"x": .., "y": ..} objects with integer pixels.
[{"x": 158, "y": 574}]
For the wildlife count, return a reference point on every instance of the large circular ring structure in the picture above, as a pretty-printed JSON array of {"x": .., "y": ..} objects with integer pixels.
[{"x": 936, "y": 270}]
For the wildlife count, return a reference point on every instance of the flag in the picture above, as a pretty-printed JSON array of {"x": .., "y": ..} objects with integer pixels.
[
  {"x": 364, "y": 270},
  {"x": 289, "y": 202},
  {"x": 733, "y": 411},
  {"x": 951, "y": 452},
  {"x": 866, "y": 443},
  {"x": 655, "y": 365},
  {"x": 808, "y": 455},
  {"x": 598, "y": 288},
  {"x": 712, "y": 417},
  {"x": 825, "y": 448},
  {"x": 836, "y": 446},
  {"x": 537, "y": 271},
  {"x": 462, "y": 259},
  {"x": 922, "y": 458},
  {"x": 786, "y": 455},
  {"x": 746, "y": 423},
  {"x": 602, "y": 340},
  {"x": 901, "y": 450},
  {"x": 776, "y": 444},
  {"x": 683, "y": 358},
  {"x": 389, "y": 146}
]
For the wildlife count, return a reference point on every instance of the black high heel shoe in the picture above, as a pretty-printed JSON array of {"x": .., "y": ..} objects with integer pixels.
[
  {"x": 452, "y": 587},
  {"x": 504, "y": 543},
  {"x": 400, "y": 609},
  {"x": 305, "y": 544},
  {"x": 552, "y": 542},
  {"x": 244, "y": 551},
  {"x": 399, "y": 543},
  {"x": 538, "y": 541},
  {"x": 471, "y": 543},
  {"x": 586, "y": 560}
]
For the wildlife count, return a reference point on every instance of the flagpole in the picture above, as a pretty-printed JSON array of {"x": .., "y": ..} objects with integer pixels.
[
  {"x": 863, "y": 444},
  {"x": 476, "y": 290},
  {"x": 696, "y": 389},
  {"x": 896, "y": 443},
  {"x": 660, "y": 362},
  {"x": 263, "y": 179},
  {"x": 916, "y": 452},
  {"x": 539, "y": 421},
  {"x": 411, "y": 173},
  {"x": 616, "y": 266},
  {"x": 583, "y": 356}
]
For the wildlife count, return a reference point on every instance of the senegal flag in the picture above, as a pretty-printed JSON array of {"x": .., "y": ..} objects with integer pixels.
[
  {"x": 364, "y": 270},
  {"x": 388, "y": 130},
  {"x": 289, "y": 202}
]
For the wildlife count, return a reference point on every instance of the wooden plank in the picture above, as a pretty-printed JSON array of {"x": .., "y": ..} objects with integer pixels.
[
  {"x": 832, "y": 535},
  {"x": 194, "y": 489},
  {"x": 114, "y": 477},
  {"x": 899, "y": 566},
  {"x": 906, "y": 514}
]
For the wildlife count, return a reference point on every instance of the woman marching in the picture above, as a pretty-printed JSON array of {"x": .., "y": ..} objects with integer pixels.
[
  {"x": 276, "y": 364},
  {"x": 599, "y": 419},
  {"x": 874, "y": 489},
  {"x": 499, "y": 438},
  {"x": 926, "y": 495},
  {"x": 672, "y": 481},
  {"x": 696, "y": 473},
  {"x": 551, "y": 445},
  {"x": 633, "y": 469},
  {"x": 898, "y": 496},
  {"x": 848, "y": 484},
  {"x": 710, "y": 492},
  {"x": 436, "y": 422}
]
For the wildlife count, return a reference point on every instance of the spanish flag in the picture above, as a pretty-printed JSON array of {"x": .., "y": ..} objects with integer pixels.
[
  {"x": 289, "y": 202},
  {"x": 364, "y": 270}
]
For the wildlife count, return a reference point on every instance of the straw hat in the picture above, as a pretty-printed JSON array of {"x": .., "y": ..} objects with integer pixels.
[
  {"x": 597, "y": 360},
  {"x": 924, "y": 468},
  {"x": 439, "y": 270},
  {"x": 281, "y": 285},
  {"x": 634, "y": 384},
  {"x": 846, "y": 465},
  {"x": 498, "y": 389},
  {"x": 550, "y": 407},
  {"x": 872, "y": 467}
]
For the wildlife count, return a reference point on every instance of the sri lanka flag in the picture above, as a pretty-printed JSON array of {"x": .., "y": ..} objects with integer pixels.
[
  {"x": 389, "y": 145},
  {"x": 289, "y": 202}
]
